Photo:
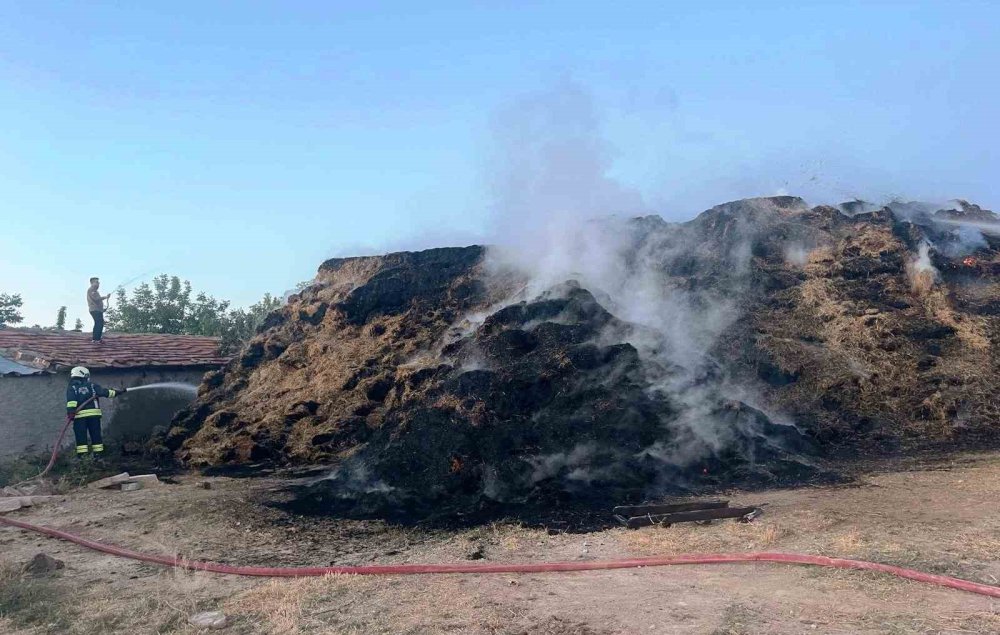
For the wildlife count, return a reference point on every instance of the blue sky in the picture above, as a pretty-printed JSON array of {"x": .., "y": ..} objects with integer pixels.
[{"x": 240, "y": 144}]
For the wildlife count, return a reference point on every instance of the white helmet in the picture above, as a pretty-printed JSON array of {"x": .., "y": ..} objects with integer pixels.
[{"x": 79, "y": 372}]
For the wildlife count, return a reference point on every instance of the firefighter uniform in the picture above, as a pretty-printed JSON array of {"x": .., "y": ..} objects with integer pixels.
[{"x": 87, "y": 416}]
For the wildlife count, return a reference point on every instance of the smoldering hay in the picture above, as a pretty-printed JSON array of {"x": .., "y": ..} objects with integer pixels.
[{"x": 629, "y": 357}]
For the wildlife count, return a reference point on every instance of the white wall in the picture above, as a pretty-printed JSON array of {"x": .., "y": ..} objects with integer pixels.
[{"x": 33, "y": 408}]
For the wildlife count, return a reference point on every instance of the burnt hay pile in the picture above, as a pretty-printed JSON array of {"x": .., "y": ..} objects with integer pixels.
[{"x": 443, "y": 377}]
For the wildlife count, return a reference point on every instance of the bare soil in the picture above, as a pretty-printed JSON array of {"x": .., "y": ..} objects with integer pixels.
[{"x": 937, "y": 515}]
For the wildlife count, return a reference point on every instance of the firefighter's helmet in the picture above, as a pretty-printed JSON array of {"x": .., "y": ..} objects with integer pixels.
[{"x": 79, "y": 373}]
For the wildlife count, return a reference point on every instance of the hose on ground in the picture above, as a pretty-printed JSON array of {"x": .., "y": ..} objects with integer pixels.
[
  {"x": 55, "y": 448},
  {"x": 537, "y": 567}
]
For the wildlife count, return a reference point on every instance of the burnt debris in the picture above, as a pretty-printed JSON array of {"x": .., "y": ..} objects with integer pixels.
[{"x": 438, "y": 380}]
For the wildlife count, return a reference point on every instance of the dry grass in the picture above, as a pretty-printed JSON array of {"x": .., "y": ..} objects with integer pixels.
[
  {"x": 332, "y": 363},
  {"x": 160, "y": 612},
  {"x": 505, "y": 540},
  {"x": 276, "y": 604},
  {"x": 507, "y": 537},
  {"x": 872, "y": 241},
  {"x": 498, "y": 621},
  {"x": 448, "y": 401},
  {"x": 849, "y": 543},
  {"x": 822, "y": 255},
  {"x": 737, "y": 619},
  {"x": 717, "y": 537},
  {"x": 29, "y": 602},
  {"x": 980, "y": 544},
  {"x": 552, "y": 626},
  {"x": 968, "y": 328},
  {"x": 861, "y": 358},
  {"x": 364, "y": 605},
  {"x": 52, "y": 605},
  {"x": 957, "y": 623},
  {"x": 937, "y": 521}
]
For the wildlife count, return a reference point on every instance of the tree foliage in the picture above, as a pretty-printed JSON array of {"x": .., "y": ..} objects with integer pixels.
[
  {"x": 61, "y": 319},
  {"x": 10, "y": 309},
  {"x": 78, "y": 326},
  {"x": 169, "y": 305}
]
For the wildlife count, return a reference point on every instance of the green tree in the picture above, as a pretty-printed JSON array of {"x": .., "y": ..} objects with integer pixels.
[
  {"x": 168, "y": 305},
  {"x": 207, "y": 316},
  {"x": 243, "y": 323},
  {"x": 79, "y": 325},
  {"x": 61, "y": 319},
  {"x": 160, "y": 308},
  {"x": 10, "y": 309}
]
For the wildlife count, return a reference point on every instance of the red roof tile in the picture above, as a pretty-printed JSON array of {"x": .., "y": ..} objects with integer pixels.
[{"x": 52, "y": 350}]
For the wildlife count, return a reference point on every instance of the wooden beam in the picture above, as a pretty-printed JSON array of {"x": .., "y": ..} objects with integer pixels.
[
  {"x": 688, "y": 516},
  {"x": 629, "y": 511},
  {"x": 9, "y": 505},
  {"x": 147, "y": 480},
  {"x": 110, "y": 481}
]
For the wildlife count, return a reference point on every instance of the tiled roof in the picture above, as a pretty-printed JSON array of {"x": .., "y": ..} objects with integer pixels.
[{"x": 53, "y": 350}]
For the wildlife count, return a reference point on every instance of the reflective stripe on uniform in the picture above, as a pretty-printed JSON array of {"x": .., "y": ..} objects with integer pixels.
[
  {"x": 82, "y": 449},
  {"x": 89, "y": 412},
  {"x": 97, "y": 447},
  {"x": 111, "y": 393},
  {"x": 72, "y": 404}
]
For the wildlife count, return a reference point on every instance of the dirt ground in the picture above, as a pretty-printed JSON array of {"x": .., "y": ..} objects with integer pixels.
[{"x": 937, "y": 515}]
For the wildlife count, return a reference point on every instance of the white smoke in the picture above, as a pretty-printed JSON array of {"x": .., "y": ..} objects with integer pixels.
[
  {"x": 559, "y": 214},
  {"x": 958, "y": 236},
  {"x": 982, "y": 227},
  {"x": 550, "y": 168},
  {"x": 797, "y": 254},
  {"x": 922, "y": 272},
  {"x": 548, "y": 466},
  {"x": 354, "y": 478},
  {"x": 968, "y": 238},
  {"x": 922, "y": 263}
]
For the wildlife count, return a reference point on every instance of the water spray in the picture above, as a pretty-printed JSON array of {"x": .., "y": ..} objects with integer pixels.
[{"x": 172, "y": 386}]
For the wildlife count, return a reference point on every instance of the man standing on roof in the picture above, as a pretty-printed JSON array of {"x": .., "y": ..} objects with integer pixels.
[
  {"x": 83, "y": 404},
  {"x": 95, "y": 304}
]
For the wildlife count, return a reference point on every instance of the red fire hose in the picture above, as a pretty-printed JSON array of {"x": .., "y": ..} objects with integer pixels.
[
  {"x": 62, "y": 435},
  {"x": 539, "y": 567}
]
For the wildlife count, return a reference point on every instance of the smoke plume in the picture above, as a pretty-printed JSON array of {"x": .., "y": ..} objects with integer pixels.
[
  {"x": 558, "y": 214},
  {"x": 922, "y": 273}
]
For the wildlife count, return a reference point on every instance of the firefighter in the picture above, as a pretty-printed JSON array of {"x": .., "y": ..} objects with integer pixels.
[{"x": 83, "y": 403}]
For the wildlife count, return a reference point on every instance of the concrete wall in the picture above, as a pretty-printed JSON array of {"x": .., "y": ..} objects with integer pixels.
[{"x": 33, "y": 408}]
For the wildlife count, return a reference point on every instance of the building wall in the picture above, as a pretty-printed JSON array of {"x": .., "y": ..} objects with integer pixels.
[{"x": 33, "y": 408}]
